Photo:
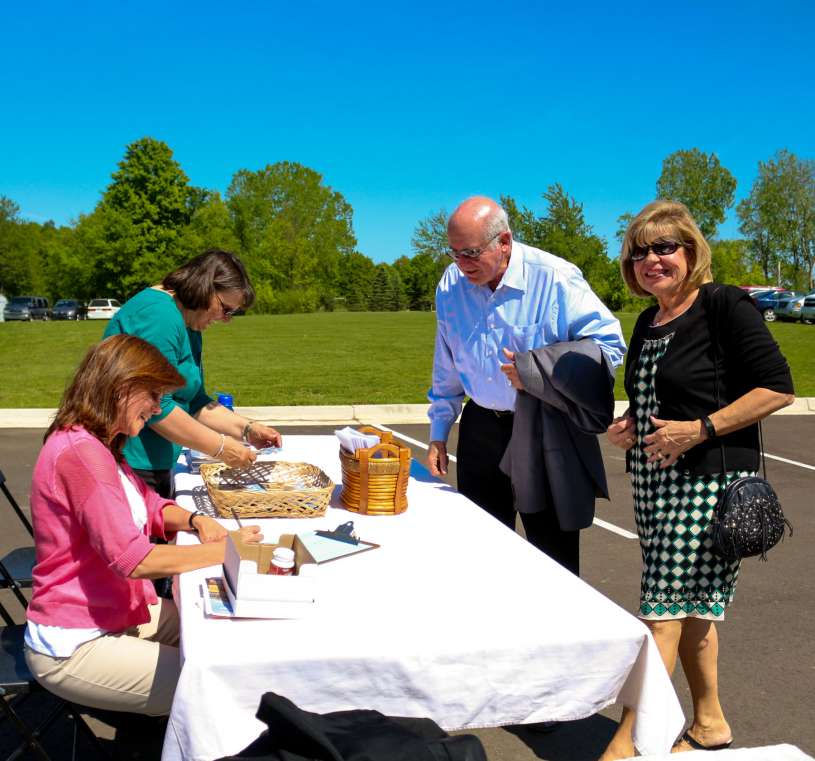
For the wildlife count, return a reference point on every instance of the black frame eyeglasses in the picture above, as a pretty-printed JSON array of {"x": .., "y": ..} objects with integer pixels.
[
  {"x": 226, "y": 311},
  {"x": 660, "y": 248},
  {"x": 471, "y": 253}
]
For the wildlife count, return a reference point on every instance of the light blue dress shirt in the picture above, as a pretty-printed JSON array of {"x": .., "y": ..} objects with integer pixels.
[{"x": 540, "y": 300}]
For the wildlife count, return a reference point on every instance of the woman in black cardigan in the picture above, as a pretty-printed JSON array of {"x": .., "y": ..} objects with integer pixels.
[{"x": 672, "y": 432}]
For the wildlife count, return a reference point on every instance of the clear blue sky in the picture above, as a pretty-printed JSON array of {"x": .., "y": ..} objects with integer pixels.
[{"x": 404, "y": 108}]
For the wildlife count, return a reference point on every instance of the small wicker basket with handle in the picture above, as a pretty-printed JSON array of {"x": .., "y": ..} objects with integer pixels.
[
  {"x": 290, "y": 490},
  {"x": 375, "y": 480}
]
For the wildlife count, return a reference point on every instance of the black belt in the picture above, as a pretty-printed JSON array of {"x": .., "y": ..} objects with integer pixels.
[{"x": 502, "y": 413}]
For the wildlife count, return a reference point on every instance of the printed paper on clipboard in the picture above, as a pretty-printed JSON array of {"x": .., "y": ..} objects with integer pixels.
[{"x": 324, "y": 550}]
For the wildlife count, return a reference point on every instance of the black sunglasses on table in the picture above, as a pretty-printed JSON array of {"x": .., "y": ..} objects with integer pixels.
[{"x": 660, "y": 248}]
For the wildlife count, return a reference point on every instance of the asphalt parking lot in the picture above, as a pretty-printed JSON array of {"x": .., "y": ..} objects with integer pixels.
[{"x": 767, "y": 665}]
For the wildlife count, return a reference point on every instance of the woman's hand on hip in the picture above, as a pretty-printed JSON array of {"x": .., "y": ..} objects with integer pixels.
[
  {"x": 236, "y": 455},
  {"x": 670, "y": 440},
  {"x": 621, "y": 432}
]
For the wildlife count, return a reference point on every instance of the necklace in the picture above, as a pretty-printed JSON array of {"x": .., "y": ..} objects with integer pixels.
[{"x": 656, "y": 323}]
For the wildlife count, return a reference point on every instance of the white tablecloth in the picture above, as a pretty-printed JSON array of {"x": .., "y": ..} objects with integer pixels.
[{"x": 455, "y": 618}]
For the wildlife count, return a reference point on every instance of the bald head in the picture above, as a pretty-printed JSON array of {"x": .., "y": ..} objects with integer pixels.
[
  {"x": 479, "y": 236},
  {"x": 477, "y": 216}
]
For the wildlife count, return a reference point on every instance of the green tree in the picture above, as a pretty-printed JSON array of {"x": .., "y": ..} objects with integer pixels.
[
  {"x": 292, "y": 228},
  {"x": 563, "y": 231},
  {"x": 209, "y": 227},
  {"x": 355, "y": 280},
  {"x": 430, "y": 237},
  {"x": 420, "y": 276},
  {"x": 382, "y": 296},
  {"x": 731, "y": 262},
  {"x": 398, "y": 292},
  {"x": 700, "y": 182},
  {"x": 143, "y": 213},
  {"x": 778, "y": 217},
  {"x": 22, "y": 253}
]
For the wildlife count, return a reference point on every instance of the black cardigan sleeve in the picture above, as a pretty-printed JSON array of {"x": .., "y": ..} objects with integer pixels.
[{"x": 752, "y": 357}]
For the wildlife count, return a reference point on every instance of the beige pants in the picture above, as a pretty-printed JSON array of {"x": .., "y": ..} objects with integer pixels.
[{"x": 134, "y": 671}]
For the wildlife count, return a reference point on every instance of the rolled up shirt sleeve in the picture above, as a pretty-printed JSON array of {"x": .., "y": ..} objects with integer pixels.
[{"x": 583, "y": 315}]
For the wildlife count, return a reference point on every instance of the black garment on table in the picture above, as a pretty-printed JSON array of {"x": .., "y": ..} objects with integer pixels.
[
  {"x": 297, "y": 735},
  {"x": 160, "y": 481},
  {"x": 482, "y": 440},
  {"x": 748, "y": 358}
]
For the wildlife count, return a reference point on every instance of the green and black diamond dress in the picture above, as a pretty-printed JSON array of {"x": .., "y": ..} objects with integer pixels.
[{"x": 681, "y": 576}]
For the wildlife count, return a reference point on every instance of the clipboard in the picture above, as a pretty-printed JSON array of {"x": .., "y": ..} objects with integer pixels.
[{"x": 325, "y": 550}]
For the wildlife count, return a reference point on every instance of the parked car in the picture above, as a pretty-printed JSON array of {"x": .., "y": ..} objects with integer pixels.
[
  {"x": 767, "y": 301},
  {"x": 789, "y": 307},
  {"x": 808, "y": 309},
  {"x": 103, "y": 309},
  {"x": 69, "y": 309},
  {"x": 751, "y": 289},
  {"x": 27, "y": 308}
]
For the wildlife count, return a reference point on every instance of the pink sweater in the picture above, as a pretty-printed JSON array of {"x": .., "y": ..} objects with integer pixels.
[{"x": 86, "y": 541}]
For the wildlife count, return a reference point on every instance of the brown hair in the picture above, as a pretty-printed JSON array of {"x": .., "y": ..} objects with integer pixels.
[
  {"x": 112, "y": 370},
  {"x": 214, "y": 271},
  {"x": 666, "y": 220}
]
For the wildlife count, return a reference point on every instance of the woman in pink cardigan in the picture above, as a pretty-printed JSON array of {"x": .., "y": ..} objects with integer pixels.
[{"x": 97, "y": 634}]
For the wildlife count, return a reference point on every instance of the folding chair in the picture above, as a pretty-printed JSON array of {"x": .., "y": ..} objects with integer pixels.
[
  {"x": 13, "y": 502},
  {"x": 18, "y": 563},
  {"x": 17, "y": 685}
]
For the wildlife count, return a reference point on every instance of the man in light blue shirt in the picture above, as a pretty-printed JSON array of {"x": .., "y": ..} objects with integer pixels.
[{"x": 499, "y": 298}]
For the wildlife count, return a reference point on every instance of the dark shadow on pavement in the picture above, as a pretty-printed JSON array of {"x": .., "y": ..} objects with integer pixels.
[{"x": 581, "y": 740}]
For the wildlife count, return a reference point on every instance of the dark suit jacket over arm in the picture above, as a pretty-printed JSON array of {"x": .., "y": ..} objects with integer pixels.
[{"x": 569, "y": 399}]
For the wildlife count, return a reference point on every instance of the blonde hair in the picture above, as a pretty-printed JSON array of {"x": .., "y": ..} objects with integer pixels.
[{"x": 666, "y": 220}]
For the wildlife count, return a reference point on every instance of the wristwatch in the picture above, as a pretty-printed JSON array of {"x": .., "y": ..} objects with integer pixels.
[
  {"x": 709, "y": 427},
  {"x": 193, "y": 515}
]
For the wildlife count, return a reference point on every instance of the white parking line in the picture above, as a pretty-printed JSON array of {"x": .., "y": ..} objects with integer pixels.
[
  {"x": 790, "y": 462},
  {"x": 597, "y": 522}
]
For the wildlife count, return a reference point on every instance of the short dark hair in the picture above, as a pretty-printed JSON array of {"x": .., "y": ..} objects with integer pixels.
[
  {"x": 111, "y": 370},
  {"x": 214, "y": 271}
]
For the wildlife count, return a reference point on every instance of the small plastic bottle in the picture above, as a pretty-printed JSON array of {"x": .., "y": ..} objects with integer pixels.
[
  {"x": 226, "y": 400},
  {"x": 282, "y": 562}
]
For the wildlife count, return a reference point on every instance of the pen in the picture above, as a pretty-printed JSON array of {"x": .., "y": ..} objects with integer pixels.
[{"x": 235, "y": 516}]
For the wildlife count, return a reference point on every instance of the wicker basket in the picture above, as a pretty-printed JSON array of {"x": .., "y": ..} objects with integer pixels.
[
  {"x": 374, "y": 480},
  {"x": 292, "y": 490}
]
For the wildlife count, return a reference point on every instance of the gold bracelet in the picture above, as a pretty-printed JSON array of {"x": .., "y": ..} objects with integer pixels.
[{"x": 220, "y": 448}]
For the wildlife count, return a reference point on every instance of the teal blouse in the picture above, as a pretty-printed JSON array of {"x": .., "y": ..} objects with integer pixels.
[{"x": 154, "y": 316}]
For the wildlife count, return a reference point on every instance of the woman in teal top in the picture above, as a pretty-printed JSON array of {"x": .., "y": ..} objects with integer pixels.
[{"x": 172, "y": 316}]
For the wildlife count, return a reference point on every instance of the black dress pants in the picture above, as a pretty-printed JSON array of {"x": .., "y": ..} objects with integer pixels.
[{"x": 482, "y": 440}]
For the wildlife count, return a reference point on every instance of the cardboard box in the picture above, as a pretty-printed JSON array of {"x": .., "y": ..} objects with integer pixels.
[{"x": 254, "y": 593}]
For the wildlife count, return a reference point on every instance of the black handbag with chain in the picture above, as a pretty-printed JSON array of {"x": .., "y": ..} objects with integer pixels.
[{"x": 749, "y": 520}]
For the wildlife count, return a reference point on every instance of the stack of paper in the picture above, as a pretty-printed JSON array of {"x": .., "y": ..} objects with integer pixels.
[{"x": 352, "y": 439}]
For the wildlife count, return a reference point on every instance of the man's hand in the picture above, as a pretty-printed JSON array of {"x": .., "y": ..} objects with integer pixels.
[
  {"x": 437, "y": 458},
  {"x": 621, "y": 432},
  {"x": 511, "y": 371}
]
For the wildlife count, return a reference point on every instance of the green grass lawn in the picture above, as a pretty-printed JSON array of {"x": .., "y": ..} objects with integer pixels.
[{"x": 324, "y": 358}]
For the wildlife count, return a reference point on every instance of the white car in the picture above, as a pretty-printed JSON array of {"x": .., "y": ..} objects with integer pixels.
[{"x": 103, "y": 309}]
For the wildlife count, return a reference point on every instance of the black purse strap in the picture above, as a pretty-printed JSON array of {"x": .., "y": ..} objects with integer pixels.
[{"x": 714, "y": 340}]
